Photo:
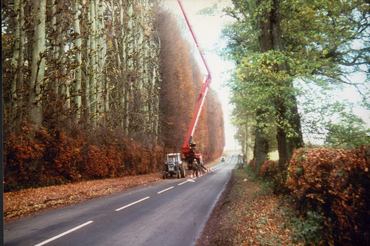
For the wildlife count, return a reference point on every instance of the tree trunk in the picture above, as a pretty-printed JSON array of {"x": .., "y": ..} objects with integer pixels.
[
  {"x": 38, "y": 62},
  {"x": 55, "y": 48},
  {"x": 130, "y": 66},
  {"x": 20, "y": 65},
  {"x": 156, "y": 80},
  {"x": 248, "y": 140},
  {"x": 281, "y": 136},
  {"x": 62, "y": 71},
  {"x": 15, "y": 63},
  {"x": 270, "y": 39},
  {"x": 88, "y": 70},
  {"x": 92, "y": 57},
  {"x": 261, "y": 144},
  {"x": 123, "y": 69},
  {"x": 295, "y": 121},
  {"x": 100, "y": 37},
  {"x": 114, "y": 95},
  {"x": 77, "y": 83}
]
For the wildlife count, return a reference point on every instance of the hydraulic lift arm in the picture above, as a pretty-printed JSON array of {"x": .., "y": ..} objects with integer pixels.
[{"x": 189, "y": 144}]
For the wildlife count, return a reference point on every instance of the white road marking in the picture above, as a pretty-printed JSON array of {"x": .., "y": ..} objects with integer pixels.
[
  {"x": 165, "y": 190},
  {"x": 189, "y": 180},
  {"x": 64, "y": 233},
  {"x": 118, "y": 209}
]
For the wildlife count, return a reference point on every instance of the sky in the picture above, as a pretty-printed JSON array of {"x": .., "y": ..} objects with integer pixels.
[{"x": 207, "y": 30}]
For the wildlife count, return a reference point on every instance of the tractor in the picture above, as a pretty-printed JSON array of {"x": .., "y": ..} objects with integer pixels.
[{"x": 174, "y": 166}]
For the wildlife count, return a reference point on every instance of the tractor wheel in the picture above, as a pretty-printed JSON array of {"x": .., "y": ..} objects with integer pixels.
[
  {"x": 178, "y": 174},
  {"x": 183, "y": 171}
]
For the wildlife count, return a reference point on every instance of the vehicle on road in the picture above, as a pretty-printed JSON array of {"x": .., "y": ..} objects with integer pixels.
[
  {"x": 174, "y": 166},
  {"x": 223, "y": 159}
]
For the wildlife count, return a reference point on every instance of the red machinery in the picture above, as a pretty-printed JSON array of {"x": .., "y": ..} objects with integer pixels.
[{"x": 188, "y": 148}]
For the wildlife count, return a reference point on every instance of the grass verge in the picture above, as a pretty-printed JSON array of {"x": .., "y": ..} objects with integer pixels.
[{"x": 247, "y": 214}]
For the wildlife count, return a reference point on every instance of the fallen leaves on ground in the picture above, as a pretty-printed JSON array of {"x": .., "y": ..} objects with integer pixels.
[
  {"x": 21, "y": 203},
  {"x": 246, "y": 215}
]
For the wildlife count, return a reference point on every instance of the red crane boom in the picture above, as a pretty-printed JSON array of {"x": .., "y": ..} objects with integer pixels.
[{"x": 188, "y": 147}]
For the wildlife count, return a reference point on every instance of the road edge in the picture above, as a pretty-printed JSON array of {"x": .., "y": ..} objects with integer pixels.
[{"x": 203, "y": 237}]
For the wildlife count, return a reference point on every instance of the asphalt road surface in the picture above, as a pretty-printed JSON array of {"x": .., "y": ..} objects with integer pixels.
[{"x": 172, "y": 212}]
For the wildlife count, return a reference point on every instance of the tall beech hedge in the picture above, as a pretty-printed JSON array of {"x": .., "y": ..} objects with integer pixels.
[{"x": 336, "y": 184}]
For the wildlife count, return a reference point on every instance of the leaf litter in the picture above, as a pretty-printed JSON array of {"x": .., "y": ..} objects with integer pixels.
[
  {"x": 30, "y": 201},
  {"x": 247, "y": 214}
]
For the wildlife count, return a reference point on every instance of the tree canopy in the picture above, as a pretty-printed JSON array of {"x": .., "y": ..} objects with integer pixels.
[{"x": 279, "y": 47}]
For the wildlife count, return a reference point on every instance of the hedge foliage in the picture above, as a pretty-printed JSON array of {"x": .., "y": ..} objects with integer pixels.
[
  {"x": 335, "y": 185},
  {"x": 46, "y": 157}
]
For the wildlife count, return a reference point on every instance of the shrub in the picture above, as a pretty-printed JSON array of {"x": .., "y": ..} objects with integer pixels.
[
  {"x": 252, "y": 164},
  {"x": 268, "y": 170},
  {"x": 63, "y": 158},
  {"x": 50, "y": 157},
  {"x": 335, "y": 184},
  {"x": 23, "y": 156},
  {"x": 308, "y": 230},
  {"x": 96, "y": 163}
]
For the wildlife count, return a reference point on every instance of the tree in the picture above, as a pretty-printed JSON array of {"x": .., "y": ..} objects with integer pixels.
[
  {"x": 275, "y": 43},
  {"x": 54, "y": 58},
  {"x": 82, "y": 82},
  {"x": 177, "y": 93},
  {"x": 260, "y": 65},
  {"x": 38, "y": 62},
  {"x": 78, "y": 80},
  {"x": 181, "y": 83},
  {"x": 349, "y": 132}
]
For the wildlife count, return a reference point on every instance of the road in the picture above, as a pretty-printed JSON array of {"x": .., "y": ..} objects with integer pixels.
[{"x": 172, "y": 212}]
